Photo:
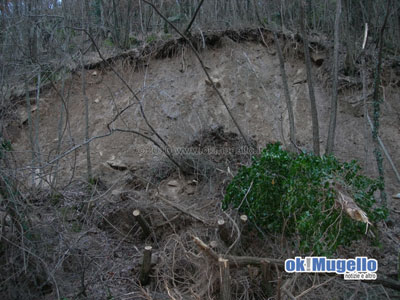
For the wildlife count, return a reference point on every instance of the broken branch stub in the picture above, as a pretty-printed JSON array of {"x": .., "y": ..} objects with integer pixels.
[{"x": 142, "y": 223}]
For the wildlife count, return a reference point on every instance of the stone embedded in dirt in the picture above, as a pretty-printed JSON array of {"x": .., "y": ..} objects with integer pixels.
[
  {"x": 192, "y": 182},
  {"x": 23, "y": 114},
  {"x": 171, "y": 109},
  {"x": 173, "y": 183},
  {"x": 97, "y": 100},
  {"x": 94, "y": 73},
  {"x": 217, "y": 82},
  {"x": 117, "y": 165},
  {"x": 241, "y": 101},
  {"x": 300, "y": 77},
  {"x": 116, "y": 193},
  {"x": 396, "y": 196},
  {"x": 318, "y": 57},
  {"x": 171, "y": 189},
  {"x": 190, "y": 189}
]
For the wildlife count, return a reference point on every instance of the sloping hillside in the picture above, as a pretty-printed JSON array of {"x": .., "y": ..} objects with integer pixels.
[{"x": 94, "y": 244}]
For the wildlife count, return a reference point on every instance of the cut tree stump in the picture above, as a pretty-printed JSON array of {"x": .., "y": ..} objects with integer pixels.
[
  {"x": 146, "y": 266},
  {"x": 223, "y": 232},
  {"x": 225, "y": 289},
  {"x": 142, "y": 223}
]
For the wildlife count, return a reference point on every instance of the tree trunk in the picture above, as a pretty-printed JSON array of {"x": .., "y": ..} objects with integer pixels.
[
  {"x": 332, "y": 123},
  {"x": 314, "y": 111},
  {"x": 292, "y": 132},
  {"x": 89, "y": 21},
  {"x": 86, "y": 101},
  {"x": 367, "y": 141},
  {"x": 376, "y": 103},
  {"x": 116, "y": 32},
  {"x": 30, "y": 127},
  {"x": 127, "y": 29},
  {"x": 349, "y": 61}
]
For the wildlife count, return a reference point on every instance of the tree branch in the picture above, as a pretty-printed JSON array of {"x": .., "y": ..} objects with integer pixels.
[{"x": 193, "y": 18}]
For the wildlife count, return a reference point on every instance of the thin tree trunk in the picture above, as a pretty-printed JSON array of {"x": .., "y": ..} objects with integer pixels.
[
  {"x": 30, "y": 126},
  {"x": 332, "y": 123},
  {"x": 282, "y": 11},
  {"x": 37, "y": 113},
  {"x": 349, "y": 61},
  {"x": 102, "y": 20},
  {"x": 127, "y": 29},
  {"x": 364, "y": 95},
  {"x": 314, "y": 111},
  {"x": 377, "y": 101},
  {"x": 116, "y": 27},
  {"x": 86, "y": 101},
  {"x": 398, "y": 24},
  {"x": 59, "y": 130},
  {"x": 141, "y": 18},
  {"x": 292, "y": 127},
  {"x": 89, "y": 20}
]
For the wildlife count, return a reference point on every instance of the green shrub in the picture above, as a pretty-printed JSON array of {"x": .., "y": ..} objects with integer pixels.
[{"x": 283, "y": 191}]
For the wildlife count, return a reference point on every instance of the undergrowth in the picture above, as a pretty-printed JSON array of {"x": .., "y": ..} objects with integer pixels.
[{"x": 295, "y": 194}]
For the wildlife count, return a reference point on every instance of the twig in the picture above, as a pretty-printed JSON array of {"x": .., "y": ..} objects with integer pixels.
[
  {"x": 396, "y": 172},
  {"x": 245, "y": 195},
  {"x": 236, "y": 241},
  {"x": 314, "y": 287},
  {"x": 40, "y": 259}
]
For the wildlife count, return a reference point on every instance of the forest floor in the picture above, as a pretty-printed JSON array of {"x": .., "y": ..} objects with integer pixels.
[{"x": 93, "y": 244}]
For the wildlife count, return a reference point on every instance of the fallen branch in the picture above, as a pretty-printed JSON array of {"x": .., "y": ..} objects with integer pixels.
[
  {"x": 385, "y": 281},
  {"x": 236, "y": 261}
]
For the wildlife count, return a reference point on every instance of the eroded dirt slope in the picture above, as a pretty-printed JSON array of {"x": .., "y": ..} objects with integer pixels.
[{"x": 181, "y": 106}]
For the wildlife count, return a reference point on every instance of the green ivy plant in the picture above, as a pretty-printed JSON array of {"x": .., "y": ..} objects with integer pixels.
[{"x": 294, "y": 193}]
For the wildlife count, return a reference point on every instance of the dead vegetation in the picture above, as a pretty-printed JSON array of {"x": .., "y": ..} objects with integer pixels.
[{"x": 94, "y": 246}]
